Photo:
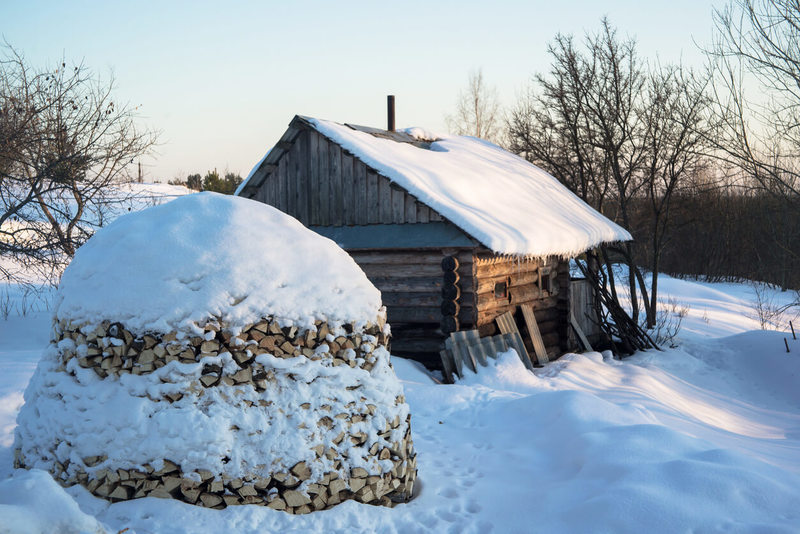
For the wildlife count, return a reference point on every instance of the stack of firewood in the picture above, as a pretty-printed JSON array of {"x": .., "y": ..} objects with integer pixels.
[{"x": 111, "y": 350}]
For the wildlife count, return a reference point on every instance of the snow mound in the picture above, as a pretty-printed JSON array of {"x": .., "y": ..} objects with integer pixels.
[
  {"x": 206, "y": 255},
  {"x": 34, "y": 504}
]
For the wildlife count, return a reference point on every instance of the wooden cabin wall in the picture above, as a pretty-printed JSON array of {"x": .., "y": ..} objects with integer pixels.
[
  {"x": 551, "y": 309},
  {"x": 410, "y": 282},
  {"x": 321, "y": 184}
]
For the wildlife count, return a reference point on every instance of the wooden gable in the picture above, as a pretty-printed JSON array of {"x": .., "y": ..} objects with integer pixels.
[{"x": 317, "y": 182}]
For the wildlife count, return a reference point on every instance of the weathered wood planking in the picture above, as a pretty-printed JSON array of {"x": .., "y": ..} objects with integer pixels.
[
  {"x": 461, "y": 352},
  {"x": 579, "y": 332},
  {"x": 423, "y": 213},
  {"x": 410, "y": 209},
  {"x": 324, "y": 192},
  {"x": 348, "y": 190},
  {"x": 401, "y": 271},
  {"x": 582, "y": 306},
  {"x": 373, "y": 204},
  {"x": 486, "y": 283},
  {"x": 476, "y": 349},
  {"x": 384, "y": 199},
  {"x": 394, "y": 257},
  {"x": 457, "y": 360},
  {"x": 507, "y": 325},
  {"x": 283, "y": 187},
  {"x": 390, "y": 283},
  {"x": 291, "y": 185},
  {"x": 448, "y": 366},
  {"x": 321, "y": 184},
  {"x": 398, "y": 205},
  {"x": 335, "y": 185},
  {"x": 301, "y": 170},
  {"x": 359, "y": 192},
  {"x": 517, "y": 295},
  {"x": 535, "y": 335},
  {"x": 409, "y": 298},
  {"x": 549, "y": 305},
  {"x": 314, "y": 140},
  {"x": 504, "y": 266}
]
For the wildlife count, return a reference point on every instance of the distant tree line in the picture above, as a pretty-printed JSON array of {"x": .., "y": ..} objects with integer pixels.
[
  {"x": 212, "y": 181},
  {"x": 705, "y": 174}
]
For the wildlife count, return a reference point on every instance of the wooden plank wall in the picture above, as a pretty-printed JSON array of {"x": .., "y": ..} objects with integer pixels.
[
  {"x": 582, "y": 304},
  {"x": 522, "y": 278},
  {"x": 320, "y": 184}
]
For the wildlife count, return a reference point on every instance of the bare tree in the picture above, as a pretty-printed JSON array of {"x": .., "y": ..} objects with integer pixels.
[
  {"x": 550, "y": 125},
  {"x": 675, "y": 113},
  {"x": 758, "y": 44},
  {"x": 64, "y": 142},
  {"x": 592, "y": 98},
  {"x": 477, "y": 110},
  {"x": 756, "y": 57},
  {"x": 619, "y": 133}
]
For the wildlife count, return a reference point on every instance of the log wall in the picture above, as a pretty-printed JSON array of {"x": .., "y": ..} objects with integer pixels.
[
  {"x": 551, "y": 308},
  {"x": 410, "y": 282}
]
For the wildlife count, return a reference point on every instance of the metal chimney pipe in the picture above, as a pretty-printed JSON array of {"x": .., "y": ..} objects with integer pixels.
[{"x": 390, "y": 112}]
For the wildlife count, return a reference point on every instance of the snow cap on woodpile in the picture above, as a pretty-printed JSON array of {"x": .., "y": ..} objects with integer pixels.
[
  {"x": 172, "y": 266},
  {"x": 503, "y": 201}
]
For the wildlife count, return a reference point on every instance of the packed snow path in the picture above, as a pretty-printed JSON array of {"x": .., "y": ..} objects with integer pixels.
[{"x": 702, "y": 438}]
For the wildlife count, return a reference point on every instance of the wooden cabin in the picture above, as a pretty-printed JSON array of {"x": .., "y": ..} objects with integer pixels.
[{"x": 453, "y": 231}]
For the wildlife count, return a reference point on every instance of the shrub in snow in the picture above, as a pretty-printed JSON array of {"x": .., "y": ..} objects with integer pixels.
[{"x": 214, "y": 350}]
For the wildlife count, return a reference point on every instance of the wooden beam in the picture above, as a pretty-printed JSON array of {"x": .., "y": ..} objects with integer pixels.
[
  {"x": 536, "y": 337},
  {"x": 579, "y": 331},
  {"x": 448, "y": 366}
]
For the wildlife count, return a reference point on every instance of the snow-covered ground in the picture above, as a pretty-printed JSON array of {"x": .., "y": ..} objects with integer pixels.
[{"x": 702, "y": 438}]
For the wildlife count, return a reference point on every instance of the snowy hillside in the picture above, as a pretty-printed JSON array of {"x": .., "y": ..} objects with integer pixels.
[{"x": 704, "y": 438}]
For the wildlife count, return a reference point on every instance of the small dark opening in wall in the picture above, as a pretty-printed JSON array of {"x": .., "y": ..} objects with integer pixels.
[
  {"x": 544, "y": 281},
  {"x": 501, "y": 290}
]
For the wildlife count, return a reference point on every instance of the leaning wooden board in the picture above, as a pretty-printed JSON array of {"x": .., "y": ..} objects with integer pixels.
[
  {"x": 507, "y": 325},
  {"x": 467, "y": 348},
  {"x": 461, "y": 354},
  {"x": 536, "y": 337},
  {"x": 448, "y": 366},
  {"x": 472, "y": 340},
  {"x": 579, "y": 331}
]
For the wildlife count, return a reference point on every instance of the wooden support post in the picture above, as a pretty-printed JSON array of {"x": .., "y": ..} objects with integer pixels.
[
  {"x": 792, "y": 327},
  {"x": 786, "y": 342}
]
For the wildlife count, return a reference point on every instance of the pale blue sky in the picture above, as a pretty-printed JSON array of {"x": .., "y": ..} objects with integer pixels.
[{"x": 222, "y": 81}]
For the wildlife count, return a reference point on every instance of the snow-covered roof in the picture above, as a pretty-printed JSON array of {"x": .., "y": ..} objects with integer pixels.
[
  {"x": 503, "y": 201},
  {"x": 202, "y": 255}
]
